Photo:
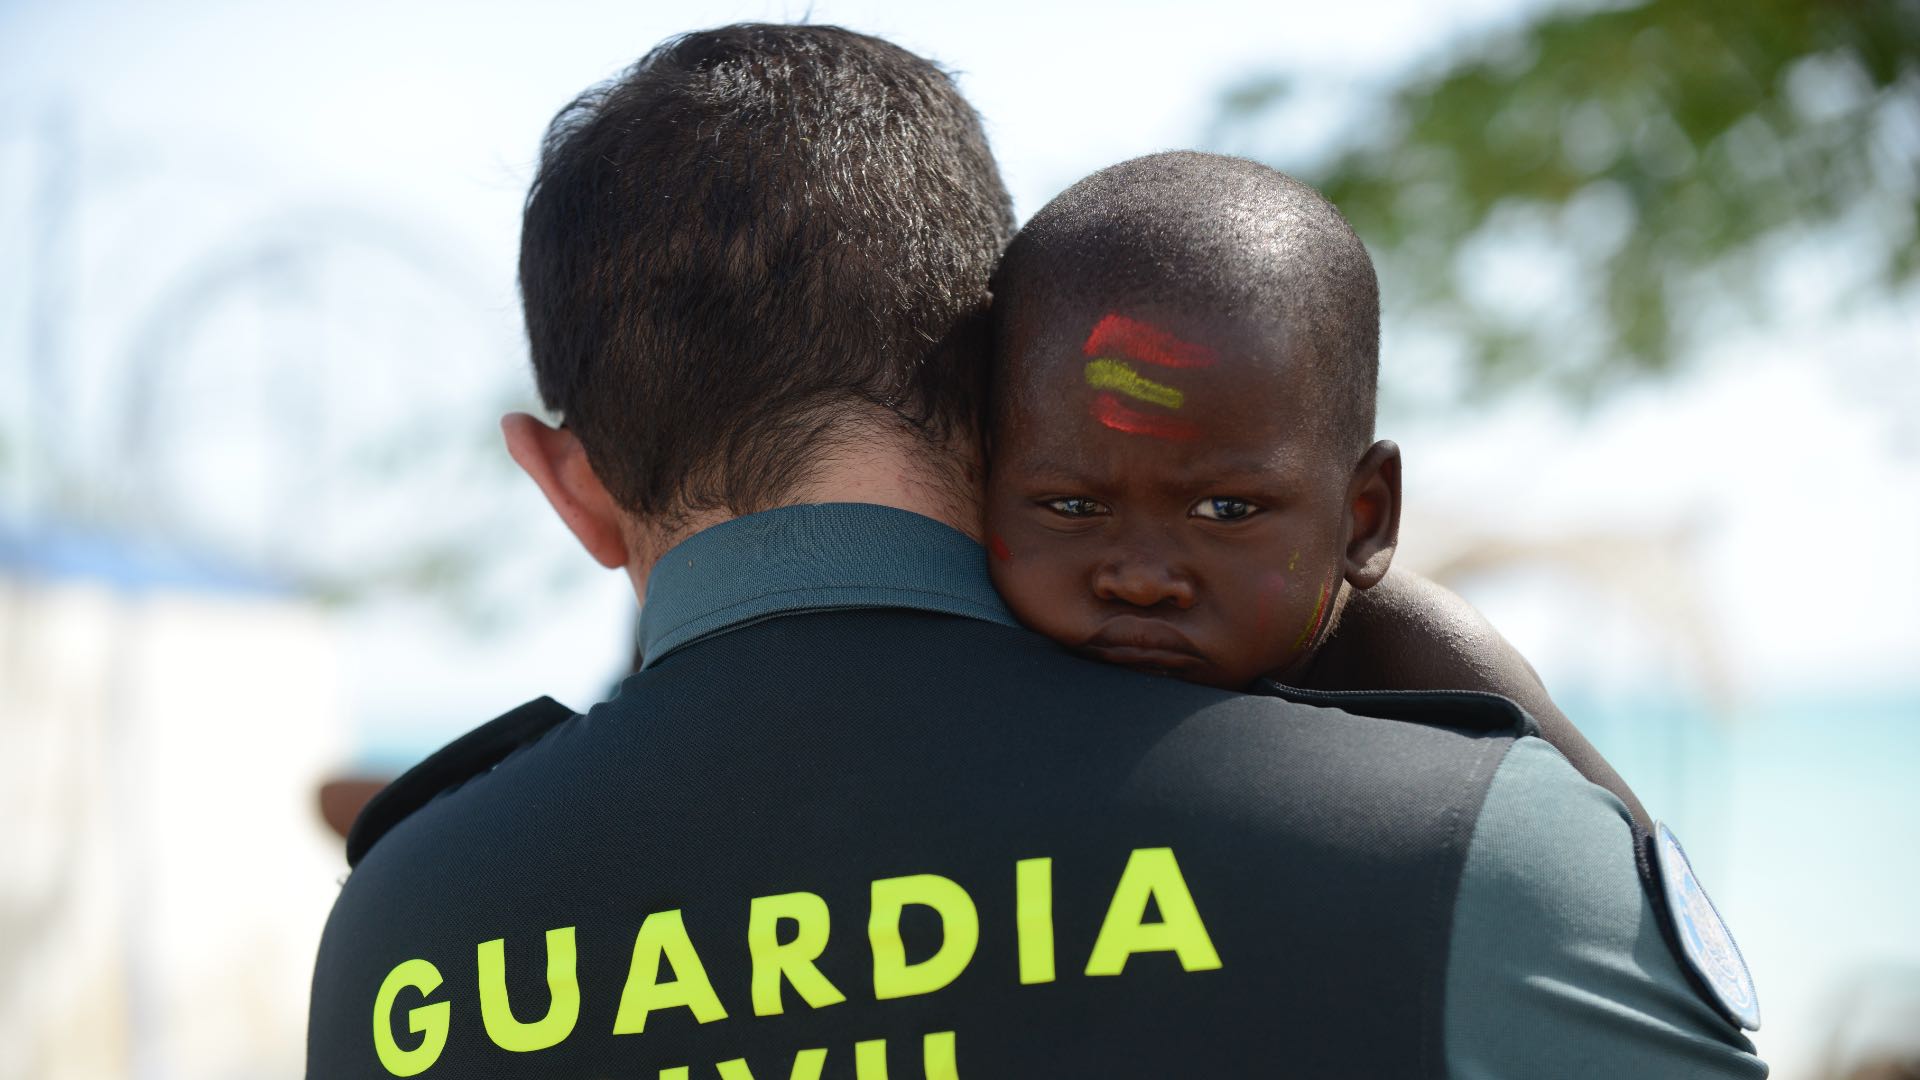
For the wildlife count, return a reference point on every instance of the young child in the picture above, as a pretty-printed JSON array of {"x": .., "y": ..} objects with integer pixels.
[{"x": 1183, "y": 476}]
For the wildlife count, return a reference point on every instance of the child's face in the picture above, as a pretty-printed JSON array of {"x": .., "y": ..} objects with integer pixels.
[{"x": 1160, "y": 494}]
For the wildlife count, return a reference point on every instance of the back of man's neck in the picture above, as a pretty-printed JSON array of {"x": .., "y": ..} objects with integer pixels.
[
  {"x": 905, "y": 475},
  {"x": 953, "y": 502}
]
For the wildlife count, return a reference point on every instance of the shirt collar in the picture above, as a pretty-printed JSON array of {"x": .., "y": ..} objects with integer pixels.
[{"x": 812, "y": 558}]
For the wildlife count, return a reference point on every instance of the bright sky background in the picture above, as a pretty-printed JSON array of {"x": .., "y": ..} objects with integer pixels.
[
  {"x": 200, "y": 127},
  {"x": 199, "y": 133}
]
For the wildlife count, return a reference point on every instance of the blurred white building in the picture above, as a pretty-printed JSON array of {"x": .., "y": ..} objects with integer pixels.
[{"x": 165, "y": 726}]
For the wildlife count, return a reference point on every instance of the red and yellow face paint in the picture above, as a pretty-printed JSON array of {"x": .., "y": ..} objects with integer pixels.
[
  {"x": 1319, "y": 615},
  {"x": 1115, "y": 344}
]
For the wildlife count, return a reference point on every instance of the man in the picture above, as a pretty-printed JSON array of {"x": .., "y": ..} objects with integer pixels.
[{"x": 850, "y": 820}]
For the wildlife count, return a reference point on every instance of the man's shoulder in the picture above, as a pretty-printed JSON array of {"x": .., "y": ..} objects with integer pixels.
[
  {"x": 1009, "y": 677},
  {"x": 469, "y": 756},
  {"x": 1179, "y": 730},
  {"x": 1562, "y": 895}
]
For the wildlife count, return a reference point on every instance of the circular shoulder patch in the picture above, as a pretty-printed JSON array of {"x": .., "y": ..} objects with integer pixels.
[{"x": 1707, "y": 945}]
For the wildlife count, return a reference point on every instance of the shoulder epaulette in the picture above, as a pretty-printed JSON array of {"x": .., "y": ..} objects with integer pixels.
[
  {"x": 460, "y": 760},
  {"x": 1473, "y": 710}
]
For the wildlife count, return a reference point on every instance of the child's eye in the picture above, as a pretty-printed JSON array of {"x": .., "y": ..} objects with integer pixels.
[
  {"x": 1224, "y": 508},
  {"x": 1074, "y": 506}
]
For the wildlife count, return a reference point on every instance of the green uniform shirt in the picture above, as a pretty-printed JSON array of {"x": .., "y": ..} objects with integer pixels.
[{"x": 840, "y": 722}]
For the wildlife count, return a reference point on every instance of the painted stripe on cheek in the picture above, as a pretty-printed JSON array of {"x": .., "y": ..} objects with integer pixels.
[{"x": 1313, "y": 628}]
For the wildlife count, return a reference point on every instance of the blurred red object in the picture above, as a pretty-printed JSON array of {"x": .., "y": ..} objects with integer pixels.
[{"x": 342, "y": 799}]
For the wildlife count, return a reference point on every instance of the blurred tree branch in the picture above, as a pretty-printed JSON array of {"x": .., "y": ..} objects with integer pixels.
[{"x": 1663, "y": 154}]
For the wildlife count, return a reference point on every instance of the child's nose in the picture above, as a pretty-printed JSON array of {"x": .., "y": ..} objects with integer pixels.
[{"x": 1143, "y": 583}]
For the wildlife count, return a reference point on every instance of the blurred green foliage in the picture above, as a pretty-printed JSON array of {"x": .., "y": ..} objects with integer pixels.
[{"x": 1667, "y": 154}]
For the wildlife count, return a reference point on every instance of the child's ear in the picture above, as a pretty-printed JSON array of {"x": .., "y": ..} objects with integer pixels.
[{"x": 1373, "y": 515}]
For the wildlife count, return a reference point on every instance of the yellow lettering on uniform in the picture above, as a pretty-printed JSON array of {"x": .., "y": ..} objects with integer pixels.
[
  {"x": 793, "y": 960},
  {"x": 562, "y": 983},
  {"x": 1033, "y": 919},
  {"x": 429, "y": 1021},
  {"x": 893, "y": 977},
  {"x": 678, "y": 1072},
  {"x": 735, "y": 1069},
  {"x": 1152, "y": 873},
  {"x": 937, "y": 1060},
  {"x": 664, "y": 936},
  {"x": 936, "y": 1056}
]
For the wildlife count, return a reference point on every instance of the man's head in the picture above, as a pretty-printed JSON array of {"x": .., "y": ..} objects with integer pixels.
[
  {"x": 757, "y": 252},
  {"x": 1183, "y": 472}
]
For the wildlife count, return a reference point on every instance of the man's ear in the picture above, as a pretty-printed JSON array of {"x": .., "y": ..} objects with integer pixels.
[
  {"x": 557, "y": 462},
  {"x": 1373, "y": 515}
]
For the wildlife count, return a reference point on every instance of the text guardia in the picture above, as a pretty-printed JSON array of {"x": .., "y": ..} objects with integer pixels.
[{"x": 666, "y": 972}]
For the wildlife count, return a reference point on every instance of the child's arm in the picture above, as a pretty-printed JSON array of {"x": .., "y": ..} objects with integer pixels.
[{"x": 1407, "y": 633}]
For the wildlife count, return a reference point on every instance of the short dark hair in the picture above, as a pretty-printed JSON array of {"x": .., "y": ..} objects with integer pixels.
[
  {"x": 1219, "y": 232},
  {"x": 748, "y": 242}
]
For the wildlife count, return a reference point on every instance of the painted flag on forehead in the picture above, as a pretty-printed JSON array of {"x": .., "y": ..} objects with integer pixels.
[{"x": 1113, "y": 347}]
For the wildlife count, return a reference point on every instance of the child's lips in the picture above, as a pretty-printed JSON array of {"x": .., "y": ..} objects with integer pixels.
[{"x": 1142, "y": 643}]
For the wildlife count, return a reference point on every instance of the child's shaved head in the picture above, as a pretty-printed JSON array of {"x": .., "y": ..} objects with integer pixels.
[{"x": 1225, "y": 235}]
